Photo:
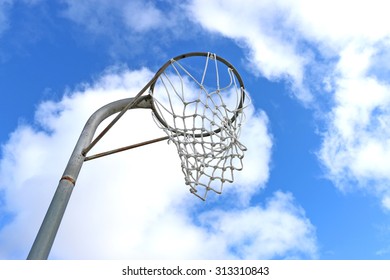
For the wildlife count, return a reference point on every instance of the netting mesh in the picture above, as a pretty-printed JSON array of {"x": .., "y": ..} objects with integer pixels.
[{"x": 202, "y": 113}]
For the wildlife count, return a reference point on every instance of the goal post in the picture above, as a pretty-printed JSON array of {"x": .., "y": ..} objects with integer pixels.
[{"x": 198, "y": 100}]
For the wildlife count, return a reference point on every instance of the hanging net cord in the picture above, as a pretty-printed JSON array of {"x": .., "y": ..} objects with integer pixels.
[{"x": 203, "y": 122}]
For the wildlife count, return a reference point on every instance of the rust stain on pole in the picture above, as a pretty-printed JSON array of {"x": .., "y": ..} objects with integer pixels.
[{"x": 68, "y": 178}]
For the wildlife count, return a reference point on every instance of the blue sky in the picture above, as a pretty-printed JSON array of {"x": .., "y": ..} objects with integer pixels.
[{"x": 316, "y": 178}]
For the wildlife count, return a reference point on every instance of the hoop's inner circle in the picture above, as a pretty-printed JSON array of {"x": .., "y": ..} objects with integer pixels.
[{"x": 196, "y": 94}]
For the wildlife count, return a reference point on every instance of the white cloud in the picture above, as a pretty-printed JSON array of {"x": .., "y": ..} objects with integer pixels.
[
  {"x": 96, "y": 15},
  {"x": 386, "y": 201},
  {"x": 99, "y": 16},
  {"x": 278, "y": 230},
  {"x": 262, "y": 27},
  {"x": 135, "y": 204},
  {"x": 142, "y": 16},
  {"x": 129, "y": 26},
  {"x": 5, "y": 5},
  {"x": 356, "y": 146},
  {"x": 355, "y": 149},
  {"x": 334, "y": 24}
]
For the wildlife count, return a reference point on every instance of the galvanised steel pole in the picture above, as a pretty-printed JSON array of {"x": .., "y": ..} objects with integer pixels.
[{"x": 44, "y": 240}]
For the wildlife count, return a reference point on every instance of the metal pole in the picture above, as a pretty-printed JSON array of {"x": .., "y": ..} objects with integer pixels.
[{"x": 44, "y": 240}]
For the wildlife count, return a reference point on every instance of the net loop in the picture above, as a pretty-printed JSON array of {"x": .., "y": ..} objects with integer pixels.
[{"x": 202, "y": 112}]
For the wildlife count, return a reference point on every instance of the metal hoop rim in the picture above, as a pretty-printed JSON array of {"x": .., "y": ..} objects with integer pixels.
[{"x": 192, "y": 54}]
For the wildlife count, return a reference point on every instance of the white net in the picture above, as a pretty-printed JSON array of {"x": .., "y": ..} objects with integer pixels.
[{"x": 202, "y": 113}]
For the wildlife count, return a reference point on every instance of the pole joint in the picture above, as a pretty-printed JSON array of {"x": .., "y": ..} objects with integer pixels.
[{"x": 68, "y": 178}]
